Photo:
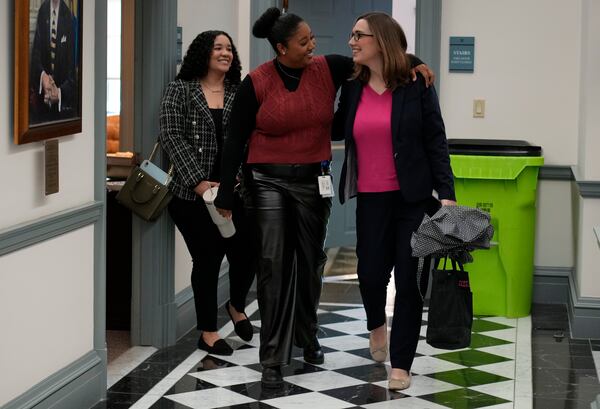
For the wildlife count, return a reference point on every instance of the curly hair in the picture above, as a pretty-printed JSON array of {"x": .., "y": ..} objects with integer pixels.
[{"x": 197, "y": 57}]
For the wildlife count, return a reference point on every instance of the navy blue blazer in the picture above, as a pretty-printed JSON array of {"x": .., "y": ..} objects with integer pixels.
[{"x": 418, "y": 139}]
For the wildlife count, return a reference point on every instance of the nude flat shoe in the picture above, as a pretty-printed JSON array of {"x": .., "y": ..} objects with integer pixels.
[
  {"x": 378, "y": 354},
  {"x": 399, "y": 384}
]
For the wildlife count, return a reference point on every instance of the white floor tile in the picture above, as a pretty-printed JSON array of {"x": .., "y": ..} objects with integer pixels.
[
  {"x": 255, "y": 341},
  {"x": 345, "y": 342},
  {"x": 508, "y": 405},
  {"x": 308, "y": 400},
  {"x": 506, "y": 350},
  {"x": 424, "y": 365},
  {"x": 321, "y": 381},
  {"x": 243, "y": 357},
  {"x": 232, "y": 375},
  {"x": 340, "y": 359},
  {"x": 504, "y": 390},
  {"x": 506, "y": 369},
  {"x": 358, "y": 313},
  {"x": 349, "y": 327},
  {"x": 424, "y": 348},
  {"x": 423, "y": 385},
  {"x": 210, "y": 398},
  {"x": 256, "y": 323},
  {"x": 404, "y": 403},
  {"x": 127, "y": 362},
  {"x": 509, "y": 334},
  {"x": 512, "y": 322},
  {"x": 596, "y": 355}
]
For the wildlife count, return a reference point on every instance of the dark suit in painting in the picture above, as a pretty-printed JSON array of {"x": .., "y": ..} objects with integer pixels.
[{"x": 62, "y": 72}]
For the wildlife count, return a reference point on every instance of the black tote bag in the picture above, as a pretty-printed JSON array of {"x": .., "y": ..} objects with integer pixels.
[{"x": 450, "y": 315}]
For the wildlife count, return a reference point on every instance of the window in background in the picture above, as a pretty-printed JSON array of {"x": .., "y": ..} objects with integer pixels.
[{"x": 113, "y": 58}]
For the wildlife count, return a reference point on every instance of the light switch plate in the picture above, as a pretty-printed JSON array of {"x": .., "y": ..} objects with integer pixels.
[{"x": 478, "y": 108}]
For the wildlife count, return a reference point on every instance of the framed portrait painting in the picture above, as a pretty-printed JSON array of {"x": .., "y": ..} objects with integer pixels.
[{"x": 47, "y": 95}]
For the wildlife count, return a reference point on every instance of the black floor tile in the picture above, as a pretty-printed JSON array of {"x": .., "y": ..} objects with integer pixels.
[
  {"x": 332, "y": 318},
  {"x": 189, "y": 384},
  {"x": 133, "y": 385},
  {"x": 563, "y": 361},
  {"x": 368, "y": 373},
  {"x": 565, "y": 384},
  {"x": 121, "y": 400},
  {"x": 363, "y": 394},
  {"x": 545, "y": 403},
  {"x": 256, "y": 391}
]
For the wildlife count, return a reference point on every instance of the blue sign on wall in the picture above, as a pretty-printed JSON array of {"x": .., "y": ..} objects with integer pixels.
[{"x": 462, "y": 54}]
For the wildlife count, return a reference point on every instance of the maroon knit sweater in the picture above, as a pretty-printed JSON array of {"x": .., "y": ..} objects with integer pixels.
[{"x": 292, "y": 127}]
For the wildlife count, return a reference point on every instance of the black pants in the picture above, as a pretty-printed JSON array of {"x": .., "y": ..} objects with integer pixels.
[
  {"x": 291, "y": 220},
  {"x": 384, "y": 225},
  {"x": 207, "y": 248}
]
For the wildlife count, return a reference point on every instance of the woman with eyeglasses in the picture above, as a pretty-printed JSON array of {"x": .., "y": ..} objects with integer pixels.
[
  {"x": 396, "y": 155},
  {"x": 281, "y": 128}
]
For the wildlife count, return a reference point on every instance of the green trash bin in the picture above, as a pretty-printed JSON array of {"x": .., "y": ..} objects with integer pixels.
[{"x": 500, "y": 177}]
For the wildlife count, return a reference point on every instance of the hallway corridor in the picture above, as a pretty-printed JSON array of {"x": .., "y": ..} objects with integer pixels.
[{"x": 512, "y": 363}]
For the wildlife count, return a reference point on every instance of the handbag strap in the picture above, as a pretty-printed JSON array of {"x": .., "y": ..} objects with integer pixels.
[{"x": 157, "y": 143}]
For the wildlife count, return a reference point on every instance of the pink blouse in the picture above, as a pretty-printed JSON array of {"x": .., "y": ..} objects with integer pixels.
[{"x": 373, "y": 138}]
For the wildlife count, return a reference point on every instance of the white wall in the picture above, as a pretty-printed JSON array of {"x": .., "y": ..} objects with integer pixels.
[
  {"x": 526, "y": 68},
  {"x": 47, "y": 304},
  {"x": 588, "y": 249},
  {"x": 554, "y": 225},
  {"x": 46, "y": 290},
  {"x": 589, "y": 137},
  {"x": 21, "y": 166},
  {"x": 405, "y": 13}
]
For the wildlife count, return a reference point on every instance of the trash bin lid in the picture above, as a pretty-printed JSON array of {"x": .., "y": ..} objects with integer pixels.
[{"x": 493, "y": 147}]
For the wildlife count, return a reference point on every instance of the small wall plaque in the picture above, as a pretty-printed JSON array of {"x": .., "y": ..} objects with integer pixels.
[
  {"x": 462, "y": 54},
  {"x": 51, "y": 166}
]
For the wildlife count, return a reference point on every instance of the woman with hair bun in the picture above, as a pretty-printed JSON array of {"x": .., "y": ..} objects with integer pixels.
[
  {"x": 194, "y": 112},
  {"x": 281, "y": 128}
]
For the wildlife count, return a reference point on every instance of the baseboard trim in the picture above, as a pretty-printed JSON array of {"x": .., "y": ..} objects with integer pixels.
[
  {"x": 556, "y": 285},
  {"x": 76, "y": 386},
  {"x": 553, "y": 172},
  {"x": 589, "y": 189},
  {"x": 45, "y": 228},
  {"x": 184, "y": 302}
]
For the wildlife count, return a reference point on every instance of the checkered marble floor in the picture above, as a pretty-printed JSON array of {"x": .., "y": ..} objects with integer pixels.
[{"x": 486, "y": 375}]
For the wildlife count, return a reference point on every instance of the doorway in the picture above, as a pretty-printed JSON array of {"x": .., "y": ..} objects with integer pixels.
[{"x": 120, "y": 159}]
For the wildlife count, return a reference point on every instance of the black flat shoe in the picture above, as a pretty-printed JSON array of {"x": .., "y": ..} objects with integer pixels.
[
  {"x": 220, "y": 347},
  {"x": 271, "y": 377},
  {"x": 242, "y": 328},
  {"x": 313, "y": 354}
]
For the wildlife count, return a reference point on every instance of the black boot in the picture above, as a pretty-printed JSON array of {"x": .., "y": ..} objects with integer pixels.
[
  {"x": 271, "y": 377},
  {"x": 313, "y": 354}
]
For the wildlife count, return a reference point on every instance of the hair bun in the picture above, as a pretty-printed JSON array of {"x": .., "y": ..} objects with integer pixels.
[{"x": 263, "y": 26}]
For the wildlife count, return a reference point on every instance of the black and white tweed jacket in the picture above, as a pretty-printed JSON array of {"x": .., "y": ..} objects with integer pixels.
[{"x": 188, "y": 135}]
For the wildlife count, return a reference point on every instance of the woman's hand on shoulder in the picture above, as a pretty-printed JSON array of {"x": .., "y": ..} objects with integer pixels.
[
  {"x": 425, "y": 71},
  {"x": 448, "y": 202}
]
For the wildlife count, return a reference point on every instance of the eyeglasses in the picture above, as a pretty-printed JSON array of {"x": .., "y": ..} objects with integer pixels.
[{"x": 357, "y": 35}]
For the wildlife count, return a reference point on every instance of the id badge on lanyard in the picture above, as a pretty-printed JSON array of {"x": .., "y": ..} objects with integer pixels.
[{"x": 325, "y": 180}]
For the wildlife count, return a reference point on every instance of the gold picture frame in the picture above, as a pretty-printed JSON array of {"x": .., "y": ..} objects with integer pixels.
[{"x": 48, "y": 67}]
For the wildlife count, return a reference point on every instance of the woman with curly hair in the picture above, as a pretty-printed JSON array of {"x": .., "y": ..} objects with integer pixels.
[{"x": 194, "y": 114}]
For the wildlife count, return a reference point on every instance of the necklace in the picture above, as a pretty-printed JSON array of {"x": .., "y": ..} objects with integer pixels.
[
  {"x": 283, "y": 71},
  {"x": 216, "y": 91}
]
